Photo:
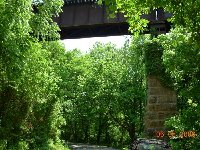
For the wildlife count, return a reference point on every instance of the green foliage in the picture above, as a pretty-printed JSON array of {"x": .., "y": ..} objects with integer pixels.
[
  {"x": 46, "y": 92},
  {"x": 185, "y": 13},
  {"x": 153, "y": 54},
  {"x": 30, "y": 109},
  {"x": 42, "y": 23},
  {"x": 187, "y": 121},
  {"x": 103, "y": 87},
  {"x": 154, "y": 62},
  {"x": 181, "y": 58}
]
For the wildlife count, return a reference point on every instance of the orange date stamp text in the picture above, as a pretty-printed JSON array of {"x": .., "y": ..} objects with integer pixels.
[{"x": 172, "y": 134}]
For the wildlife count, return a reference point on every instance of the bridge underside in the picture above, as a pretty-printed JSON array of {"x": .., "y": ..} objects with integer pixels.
[
  {"x": 94, "y": 31},
  {"x": 91, "y": 20},
  {"x": 103, "y": 30}
]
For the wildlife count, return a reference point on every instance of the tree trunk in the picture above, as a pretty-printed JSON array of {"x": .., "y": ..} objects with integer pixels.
[
  {"x": 99, "y": 130},
  {"x": 131, "y": 131},
  {"x": 75, "y": 132},
  {"x": 86, "y": 134}
]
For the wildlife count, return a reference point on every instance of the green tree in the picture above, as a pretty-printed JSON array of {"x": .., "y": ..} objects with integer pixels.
[
  {"x": 181, "y": 59},
  {"x": 29, "y": 107},
  {"x": 180, "y": 55},
  {"x": 110, "y": 83},
  {"x": 185, "y": 13}
]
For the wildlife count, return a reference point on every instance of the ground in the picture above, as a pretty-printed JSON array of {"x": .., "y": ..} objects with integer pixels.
[{"x": 79, "y": 146}]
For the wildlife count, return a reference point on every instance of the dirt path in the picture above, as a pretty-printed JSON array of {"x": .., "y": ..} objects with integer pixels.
[{"x": 79, "y": 146}]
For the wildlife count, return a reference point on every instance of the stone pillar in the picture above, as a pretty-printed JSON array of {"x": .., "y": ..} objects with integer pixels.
[{"x": 161, "y": 104}]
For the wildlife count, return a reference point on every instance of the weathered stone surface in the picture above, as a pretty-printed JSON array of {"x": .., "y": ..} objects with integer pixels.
[
  {"x": 153, "y": 123},
  {"x": 152, "y": 116},
  {"x": 162, "y": 115},
  {"x": 152, "y": 99},
  {"x": 161, "y": 104},
  {"x": 151, "y": 108}
]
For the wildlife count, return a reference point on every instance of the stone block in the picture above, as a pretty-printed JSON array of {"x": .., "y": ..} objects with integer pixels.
[
  {"x": 165, "y": 107},
  {"x": 158, "y": 83},
  {"x": 152, "y": 83},
  {"x": 150, "y": 78},
  {"x": 151, "y": 108},
  {"x": 164, "y": 91},
  {"x": 171, "y": 99},
  {"x": 173, "y": 106},
  {"x": 166, "y": 99},
  {"x": 161, "y": 104},
  {"x": 166, "y": 114},
  {"x": 152, "y": 124},
  {"x": 161, "y": 107},
  {"x": 162, "y": 115},
  {"x": 155, "y": 124},
  {"x": 160, "y": 123},
  {"x": 153, "y": 91},
  {"x": 162, "y": 99},
  {"x": 171, "y": 93},
  {"x": 152, "y": 116},
  {"x": 152, "y": 99}
]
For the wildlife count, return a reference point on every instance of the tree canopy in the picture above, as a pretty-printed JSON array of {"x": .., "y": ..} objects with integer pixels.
[
  {"x": 29, "y": 108},
  {"x": 49, "y": 95},
  {"x": 185, "y": 13}
]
